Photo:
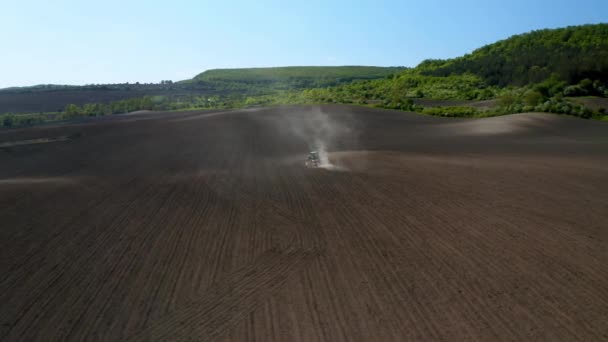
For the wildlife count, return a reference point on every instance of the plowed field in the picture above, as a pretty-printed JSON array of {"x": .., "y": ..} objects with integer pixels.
[{"x": 207, "y": 226}]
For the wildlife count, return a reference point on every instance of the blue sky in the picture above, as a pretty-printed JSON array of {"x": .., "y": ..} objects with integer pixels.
[{"x": 82, "y": 42}]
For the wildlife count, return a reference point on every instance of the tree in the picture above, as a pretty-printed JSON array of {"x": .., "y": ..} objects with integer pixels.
[
  {"x": 532, "y": 98},
  {"x": 72, "y": 111},
  {"x": 399, "y": 90},
  {"x": 8, "y": 120},
  {"x": 507, "y": 99}
]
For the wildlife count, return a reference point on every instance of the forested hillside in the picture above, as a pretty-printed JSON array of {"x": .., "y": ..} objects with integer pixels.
[
  {"x": 545, "y": 71},
  {"x": 572, "y": 54}
]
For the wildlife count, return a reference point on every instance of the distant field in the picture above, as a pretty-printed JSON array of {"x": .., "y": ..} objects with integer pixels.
[
  {"x": 56, "y": 100},
  {"x": 487, "y": 104},
  {"x": 592, "y": 102}
]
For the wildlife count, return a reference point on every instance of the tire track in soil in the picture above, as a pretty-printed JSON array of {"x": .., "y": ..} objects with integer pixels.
[
  {"x": 444, "y": 238},
  {"x": 230, "y": 300},
  {"x": 279, "y": 263},
  {"x": 66, "y": 278}
]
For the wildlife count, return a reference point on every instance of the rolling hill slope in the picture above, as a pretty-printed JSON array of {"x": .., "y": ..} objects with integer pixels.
[{"x": 296, "y": 76}]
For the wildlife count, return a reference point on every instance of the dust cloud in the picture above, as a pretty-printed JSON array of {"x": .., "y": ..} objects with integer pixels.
[{"x": 322, "y": 132}]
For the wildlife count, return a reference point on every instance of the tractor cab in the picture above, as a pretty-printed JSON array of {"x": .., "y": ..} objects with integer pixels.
[{"x": 313, "y": 159}]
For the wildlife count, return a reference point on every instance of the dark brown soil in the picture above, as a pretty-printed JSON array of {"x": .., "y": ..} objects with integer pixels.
[{"x": 207, "y": 226}]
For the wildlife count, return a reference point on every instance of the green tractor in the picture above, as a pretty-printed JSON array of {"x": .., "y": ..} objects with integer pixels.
[{"x": 313, "y": 159}]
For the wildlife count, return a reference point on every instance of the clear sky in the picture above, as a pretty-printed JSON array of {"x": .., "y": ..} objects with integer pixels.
[{"x": 83, "y": 42}]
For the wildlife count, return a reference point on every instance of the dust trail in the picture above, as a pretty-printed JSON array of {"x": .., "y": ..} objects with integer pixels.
[{"x": 321, "y": 132}]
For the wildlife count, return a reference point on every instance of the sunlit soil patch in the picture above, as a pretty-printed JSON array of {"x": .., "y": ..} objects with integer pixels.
[
  {"x": 36, "y": 180},
  {"x": 34, "y": 141}
]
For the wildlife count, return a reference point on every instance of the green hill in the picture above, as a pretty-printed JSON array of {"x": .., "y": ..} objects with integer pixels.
[
  {"x": 297, "y": 76},
  {"x": 571, "y": 54}
]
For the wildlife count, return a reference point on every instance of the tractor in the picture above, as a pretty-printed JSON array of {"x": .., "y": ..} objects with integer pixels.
[{"x": 313, "y": 159}]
